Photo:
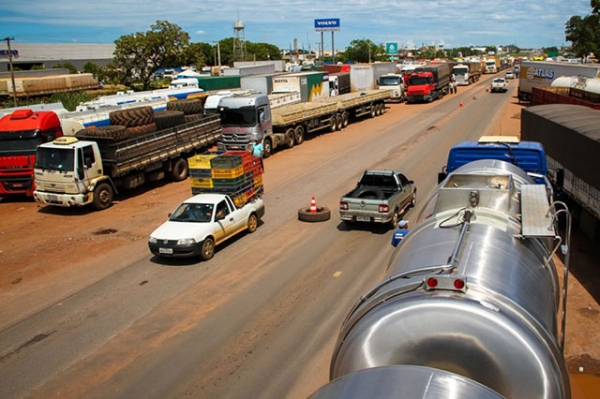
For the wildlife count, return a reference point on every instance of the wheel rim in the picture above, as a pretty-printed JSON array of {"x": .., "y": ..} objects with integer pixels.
[
  {"x": 299, "y": 135},
  {"x": 267, "y": 149},
  {"x": 252, "y": 223},
  {"x": 208, "y": 248},
  {"x": 104, "y": 197}
]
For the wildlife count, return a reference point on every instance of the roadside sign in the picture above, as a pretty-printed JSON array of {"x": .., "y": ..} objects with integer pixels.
[
  {"x": 391, "y": 48},
  {"x": 327, "y": 25},
  {"x": 4, "y": 53}
]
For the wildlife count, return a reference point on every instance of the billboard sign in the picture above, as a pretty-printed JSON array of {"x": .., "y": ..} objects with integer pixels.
[
  {"x": 4, "y": 53},
  {"x": 391, "y": 48},
  {"x": 327, "y": 25}
]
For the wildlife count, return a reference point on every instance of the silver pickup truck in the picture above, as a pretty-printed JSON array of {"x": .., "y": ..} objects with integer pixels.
[{"x": 380, "y": 196}]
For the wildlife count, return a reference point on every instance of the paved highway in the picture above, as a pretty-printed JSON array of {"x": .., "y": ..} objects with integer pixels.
[{"x": 261, "y": 318}]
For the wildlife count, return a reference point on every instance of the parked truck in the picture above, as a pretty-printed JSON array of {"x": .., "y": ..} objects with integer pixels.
[
  {"x": 428, "y": 83},
  {"x": 311, "y": 84},
  {"x": 366, "y": 76},
  {"x": 492, "y": 65},
  {"x": 249, "y": 117},
  {"x": 470, "y": 303},
  {"x": 542, "y": 74},
  {"x": 20, "y": 134},
  {"x": 565, "y": 95},
  {"x": 380, "y": 196},
  {"x": 394, "y": 82},
  {"x": 91, "y": 167},
  {"x": 339, "y": 83},
  {"x": 570, "y": 134},
  {"x": 466, "y": 73},
  {"x": 44, "y": 85}
]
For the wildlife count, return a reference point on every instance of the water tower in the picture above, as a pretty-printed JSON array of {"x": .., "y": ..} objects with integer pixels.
[{"x": 239, "y": 43}]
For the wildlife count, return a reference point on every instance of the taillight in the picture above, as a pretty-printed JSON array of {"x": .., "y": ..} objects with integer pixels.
[
  {"x": 343, "y": 205},
  {"x": 383, "y": 208},
  {"x": 442, "y": 282}
]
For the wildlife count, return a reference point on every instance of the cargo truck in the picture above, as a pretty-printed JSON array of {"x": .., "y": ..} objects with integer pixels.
[
  {"x": 466, "y": 73},
  {"x": 246, "y": 118},
  {"x": 571, "y": 136},
  {"x": 259, "y": 83},
  {"x": 339, "y": 83},
  {"x": 428, "y": 83},
  {"x": 311, "y": 84},
  {"x": 20, "y": 134},
  {"x": 394, "y": 82},
  {"x": 366, "y": 76},
  {"x": 565, "y": 95},
  {"x": 91, "y": 167},
  {"x": 542, "y": 74},
  {"x": 492, "y": 65},
  {"x": 39, "y": 86}
]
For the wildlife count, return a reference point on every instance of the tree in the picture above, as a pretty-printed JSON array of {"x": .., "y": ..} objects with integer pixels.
[
  {"x": 364, "y": 50},
  {"x": 584, "y": 33},
  {"x": 66, "y": 65},
  {"x": 139, "y": 55},
  {"x": 197, "y": 54}
]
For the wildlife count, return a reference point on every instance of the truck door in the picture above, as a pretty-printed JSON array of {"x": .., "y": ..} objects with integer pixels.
[{"x": 88, "y": 166}]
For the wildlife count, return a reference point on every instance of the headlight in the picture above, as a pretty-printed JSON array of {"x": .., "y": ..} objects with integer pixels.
[
  {"x": 186, "y": 241},
  {"x": 152, "y": 240}
]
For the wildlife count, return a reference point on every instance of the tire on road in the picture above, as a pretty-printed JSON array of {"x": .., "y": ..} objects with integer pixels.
[
  {"x": 299, "y": 135},
  {"x": 290, "y": 138},
  {"x": 208, "y": 249},
  {"x": 252, "y": 223},
  {"x": 103, "y": 196},
  {"x": 323, "y": 213},
  {"x": 179, "y": 171}
]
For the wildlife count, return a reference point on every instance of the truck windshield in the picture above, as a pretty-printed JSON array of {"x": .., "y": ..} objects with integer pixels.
[
  {"x": 19, "y": 143},
  {"x": 389, "y": 80},
  {"x": 62, "y": 159},
  {"x": 245, "y": 116},
  {"x": 418, "y": 80},
  {"x": 460, "y": 70}
]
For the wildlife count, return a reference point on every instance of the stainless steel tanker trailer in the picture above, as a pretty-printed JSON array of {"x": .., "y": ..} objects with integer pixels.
[{"x": 469, "y": 308}]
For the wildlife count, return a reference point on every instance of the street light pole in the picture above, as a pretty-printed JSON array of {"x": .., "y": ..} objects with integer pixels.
[{"x": 12, "y": 71}]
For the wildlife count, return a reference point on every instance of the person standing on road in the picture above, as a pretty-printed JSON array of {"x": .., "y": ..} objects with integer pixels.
[{"x": 257, "y": 151}]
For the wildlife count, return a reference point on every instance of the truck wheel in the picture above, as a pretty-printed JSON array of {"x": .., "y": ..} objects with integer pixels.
[
  {"x": 208, "y": 249},
  {"x": 179, "y": 172},
  {"x": 339, "y": 121},
  {"x": 323, "y": 213},
  {"x": 381, "y": 109},
  {"x": 187, "y": 106},
  {"x": 345, "y": 119},
  {"x": 252, "y": 223},
  {"x": 131, "y": 117},
  {"x": 267, "y": 148},
  {"x": 103, "y": 196},
  {"x": 299, "y": 135},
  {"x": 333, "y": 124},
  {"x": 289, "y": 138},
  {"x": 167, "y": 119},
  {"x": 373, "y": 110}
]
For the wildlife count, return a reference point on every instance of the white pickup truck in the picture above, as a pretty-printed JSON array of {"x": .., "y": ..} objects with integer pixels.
[
  {"x": 499, "y": 85},
  {"x": 200, "y": 223}
]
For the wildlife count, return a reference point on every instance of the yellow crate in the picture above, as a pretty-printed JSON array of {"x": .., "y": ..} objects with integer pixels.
[
  {"x": 240, "y": 200},
  {"x": 201, "y": 182},
  {"x": 201, "y": 161},
  {"x": 229, "y": 173},
  {"x": 258, "y": 181}
]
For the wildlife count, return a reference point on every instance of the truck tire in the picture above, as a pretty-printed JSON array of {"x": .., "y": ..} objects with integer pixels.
[
  {"x": 333, "y": 124},
  {"x": 179, "y": 171},
  {"x": 339, "y": 121},
  {"x": 299, "y": 135},
  {"x": 345, "y": 119},
  {"x": 117, "y": 132},
  {"x": 323, "y": 213},
  {"x": 131, "y": 117},
  {"x": 252, "y": 223},
  {"x": 289, "y": 138},
  {"x": 208, "y": 249},
  {"x": 373, "y": 113},
  {"x": 167, "y": 119},
  {"x": 380, "y": 109},
  {"x": 187, "y": 106},
  {"x": 267, "y": 148},
  {"x": 139, "y": 131},
  {"x": 103, "y": 196}
]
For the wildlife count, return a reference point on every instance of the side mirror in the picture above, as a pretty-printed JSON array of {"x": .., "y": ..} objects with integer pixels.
[{"x": 441, "y": 177}]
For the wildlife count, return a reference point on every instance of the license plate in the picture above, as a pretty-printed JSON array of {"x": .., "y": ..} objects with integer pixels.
[
  {"x": 165, "y": 250},
  {"x": 362, "y": 219},
  {"x": 53, "y": 198}
]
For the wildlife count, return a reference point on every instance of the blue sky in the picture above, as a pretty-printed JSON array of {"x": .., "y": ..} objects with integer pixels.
[{"x": 452, "y": 23}]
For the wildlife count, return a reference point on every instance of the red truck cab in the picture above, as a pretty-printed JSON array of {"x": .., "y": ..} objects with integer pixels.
[
  {"x": 420, "y": 87},
  {"x": 20, "y": 134}
]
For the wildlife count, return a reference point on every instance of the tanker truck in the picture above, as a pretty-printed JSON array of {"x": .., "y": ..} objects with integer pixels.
[{"x": 469, "y": 305}]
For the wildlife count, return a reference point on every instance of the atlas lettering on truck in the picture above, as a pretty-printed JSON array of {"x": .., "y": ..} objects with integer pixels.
[{"x": 540, "y": 73}]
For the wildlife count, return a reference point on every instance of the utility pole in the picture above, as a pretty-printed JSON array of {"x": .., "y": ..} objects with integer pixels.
[{"x": 12, "y": 71}]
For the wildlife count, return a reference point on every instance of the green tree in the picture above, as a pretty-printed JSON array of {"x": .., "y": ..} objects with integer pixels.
[
  {"x": 584, "y": 33},
  {"x": 66, "y": 65},
  {"x": 262, "y": 51},
  {"x": 139, "y": 55},
  {"x": 198, "y": 55},
  {"x": 364, "y": 50}
]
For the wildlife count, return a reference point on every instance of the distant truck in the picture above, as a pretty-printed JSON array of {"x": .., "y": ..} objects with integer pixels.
[
  {"x": 339, "y": 83},
  {"x": 466, "y": 73},
  {"x": 91, "y": 167},
  {"x": 380, "y": 196},
  {"x": 428, "y": 83},
  {"x": 492, "y": 65},
  {"x": 527, "y": 155},
  {"x": 394, "y": 82},
  {"x": 249, "y": 117},
  {"x": 570, "y": 134},
  {"x": 542, "y": 74},
  {"x": 366, "y": 76},
  {"x": 44, "y": 85},
  {"x": 310, "y": 84},
  {"x": 20, "y": 134}
]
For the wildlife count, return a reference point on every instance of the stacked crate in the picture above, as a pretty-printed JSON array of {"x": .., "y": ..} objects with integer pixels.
[{"x": 235, "y": 173}]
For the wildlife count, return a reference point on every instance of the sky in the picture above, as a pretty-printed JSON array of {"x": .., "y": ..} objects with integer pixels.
[{"x": 409, "y": 23}]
